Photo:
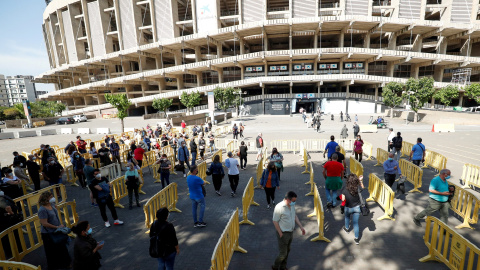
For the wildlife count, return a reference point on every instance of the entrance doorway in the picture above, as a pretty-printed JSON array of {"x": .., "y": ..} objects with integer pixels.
[{"x": 308, "y": 106}]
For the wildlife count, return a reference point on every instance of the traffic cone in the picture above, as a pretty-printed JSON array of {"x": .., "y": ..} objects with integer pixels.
[{"x": 433, "y": 128}]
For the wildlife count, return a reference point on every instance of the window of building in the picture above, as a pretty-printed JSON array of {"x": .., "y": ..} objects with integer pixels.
[
  {"x": 401, "y": 71},
  {"x": 353, "y": 68},
  {"x": 426, "y": 71},
  {"x": 377, "y": 68},
  {"x": 328, "y": 68}
]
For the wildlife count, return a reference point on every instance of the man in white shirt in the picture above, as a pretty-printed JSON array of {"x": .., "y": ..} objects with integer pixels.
[
  {"x": 284, "y": 220},
  {"x": 390, "y": 139},
  {"x": 233, "y": 173}
]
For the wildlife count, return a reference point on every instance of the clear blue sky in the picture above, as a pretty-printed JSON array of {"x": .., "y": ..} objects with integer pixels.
[{"x": 22, "y": 47}]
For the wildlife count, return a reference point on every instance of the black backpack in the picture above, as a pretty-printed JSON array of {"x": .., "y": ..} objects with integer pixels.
[
  {"x": 158, "y": 247},
  {"x": 397, "y": 142}
]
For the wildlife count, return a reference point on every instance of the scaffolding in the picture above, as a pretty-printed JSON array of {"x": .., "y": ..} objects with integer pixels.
[{"x": 462, "y": 76}]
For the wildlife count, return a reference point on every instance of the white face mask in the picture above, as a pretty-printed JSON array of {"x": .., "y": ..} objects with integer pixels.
[
  {"x": 52, "y": 162},
  {"x": 34, "y": 158},
  {"x": 2, "y": 193},
  {"x": 98, "y": 176},
  {"x": 52, "y": 200}
]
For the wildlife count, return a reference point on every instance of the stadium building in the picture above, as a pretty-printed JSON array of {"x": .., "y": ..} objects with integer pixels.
[{"x": 282, "y": 54}]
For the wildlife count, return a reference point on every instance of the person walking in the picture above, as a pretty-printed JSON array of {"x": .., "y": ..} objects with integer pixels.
[
  {"x": 356, "y": 129},
  {"x": 356, "y": 118},
  {"x": 195, "y": 184},
  {"x": 333, "y": 173},
  {"x": 341, "y": 116},
  {"x": 260, "y": 143},
  {"x": 243, "y": 155},
  {"x": 193, "y": 149},
  {"x": 34, "y": 171},
  {"x": 319, "y": 123},
  {"x": 201, "y": 146},
  {"x": 438, "y": 198},
  {"x": 78, "y": 165},
  {"x": 277, "y": 158},
  {"x": 304, "y": 115},
  {"x": 183, "y": 157},
  {"x": 183, "y": 124},
  {"x": 391, "y": 135},
  {"x": 132, "y": 181},
  {"x": 344, "y": 132},
  {"x": 284, "y": 219},
  {"x": 164, "y": 170},
  {"x": 164, "y": 232},
  {"x": 81, "y": 145},
  {"x": 242, "y": 128},
  {"x": 341, "y": 158},
  {"x": 100, "y": 187},
  {"x": 352, "y": 204},
  {"x": 391, "y": 168},
  {"x": 269, "y": 182},
  {"x": 211, "y": 140},
  {"x": 397, "y": 145},
  {"x": 56, "y": 253},
  {"x": 216, "y": 169},
  {"x": 85, "y": 248},
  {"x": 417, "y": 154},
  {"x": 115, "y": 152},
  {"x": 358, "y": 148},
  {"x": 235, "y": 132},
  {"x": 233, "y": 173},
  {"x": 330, "y": 147}
]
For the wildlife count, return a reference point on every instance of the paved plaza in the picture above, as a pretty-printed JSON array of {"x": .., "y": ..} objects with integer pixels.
[{"x": 384, "y": 244}]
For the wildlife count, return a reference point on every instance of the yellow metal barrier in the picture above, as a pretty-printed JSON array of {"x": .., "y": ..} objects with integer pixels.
[
  {"x": 150, "y": 158},
  {"x": 29, "y": 202},
  {"x": 413, "y": 174},
  {"x": 466, "y": 205},
  {"x": 319, "y": 214},
  {"x": 67, "y": 213},
  {"x": 311, "y": 182},
  {"x": 171, "y": 158},
  {"x": 118, "y": 190},
  {"x": 142, "y": 182},
  {"x": 96, "y": 163},
  {"x": 156, "y": 174},
  {"x": 382, "y": 194},
  {"x": 220, "y": 153},
  {"x": 230, "y": 147},
  {"x": 368, "y": 150},
  {"x": 39, "y": 124},
  {"x": 259, "y": 172},
  {"x": 447, "y": 246},
  {"x": 6, "y": 265},
  {"x": 406, "y": 148},
  {"x": 305, "y": 161},
  {"x": 227, "y": 244},
  {"x": 202, "y": 171},
  {"x": 166, "y": 197},
  {"x": 435, "y": 160},
  {"x": 71, "y": 178},
  {"x": 356, "y": 167},
  {"x": 247, "y": 201},
  {"x": 470, "y": 176},
  {"x": 342, "y": 150},
  {"x": 382, "y": 156}
]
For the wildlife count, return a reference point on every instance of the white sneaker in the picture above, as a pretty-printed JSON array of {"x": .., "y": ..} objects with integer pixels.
[
  {"x": 107, "y": 224},
  {"x": 184, "y": 175},
  {"x": 118, "y": 222}
]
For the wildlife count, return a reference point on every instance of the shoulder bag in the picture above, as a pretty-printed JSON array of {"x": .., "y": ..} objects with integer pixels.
[{"x": 363, "y": 204}]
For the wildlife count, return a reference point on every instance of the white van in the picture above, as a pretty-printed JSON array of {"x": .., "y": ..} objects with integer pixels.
[{"x": 80, "y": 118}]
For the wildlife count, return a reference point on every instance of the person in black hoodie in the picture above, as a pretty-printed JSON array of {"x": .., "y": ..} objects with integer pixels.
[
  {"x": 85, "y": 249},
  {"x": 193, "y": 150},
  {"x": 167, "y": 237}
]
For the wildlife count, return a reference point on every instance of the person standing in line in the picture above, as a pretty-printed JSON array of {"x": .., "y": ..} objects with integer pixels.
[
  {"x": 115, "y": 151},
  {"x": 184, "y": 125},
  {"x": 138, "y": 154},
  {"x": 260, "y": 143},
  {"x": 52, "y": 172},
  {"x": 277, "y": 158},
  {"x": 358, "y": 148},
  {"x": 417, "y": 154},
  {"x": 284, "y": 219},
  {"x": 78, "y": 165},
  {"x": 344, "y": 132},
  {"x": 242, "y": 128},
  {"x": 397, "y": 146},
  {"x": 211, "y": 140},
  {"x": 356, "y": 129},
  {"x": 356, "y": 118},
  {"x": 104, "y": 153},
  {"x": 216, "y": 169},
  {"x": 201, "y": 145},
  {"x": 333, "y": 173},
  {"x": 167, "y": 236},
  {"x": 195, "y": 184},
  {"x": 133, "y": 182},
  {"x": 233, "y": 173},
  {"x": 391, "y": 168},
  {"x": 93, "y": 151},
  {"x": 183, "y": 157},
  {"x": 164, "y": 170},
  {"x": 89, "y": 177},
  {"x": 304, "y": 115},
  {"x": 235, "y": 132},
  {"x": 438, "y": 198},
  {"x": 341, "y": 116},
  {"x": 193, "y": 149},
  {"x": 20, "y": 173},
  {"x": 243, "y": 155},
  {"x": 391, "y": 135},
  {"x": 319, "y": 123},
  {"x": 56, "y": 253},
  {"x": 85, "y": 249},
  {"x": 81, "y": 145},
  {"x": 330, "y": 147},
  {"x": 352, "y": 204},
  {"x": 269, "y": 182},
  {"x": 101, "y": 192},
  {"x": 34, "y": 171}
]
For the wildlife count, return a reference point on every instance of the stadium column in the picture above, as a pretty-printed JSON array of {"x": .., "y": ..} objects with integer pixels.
[
  {"x": 466, "y": 49},
  {"x": 347, "y": 98},
  {"x": 199, "y": 78},
  {"x": 417, "y": 43},
  {"x": 376, "y": 97},
  {"x": 198, "y": 54},
  {"x": 263, "y": 97},
  {"x": 460, "y": 98},
  {"x": 366, "y": 40},
  {"x": 414, "y": 68},
  {"x": 161, "y": 84},
  {"x": 86, "y": 21},
  {"x": 390, "y": 67},
  {"x": 438, "y": 73}
]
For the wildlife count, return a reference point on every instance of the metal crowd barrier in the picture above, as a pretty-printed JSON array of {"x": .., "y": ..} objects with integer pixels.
[
  {"x": 319, "y": 214},
  {"x": 368, "y": 150},
  {"x": 406, "y": 148},
  {"x": 305, "y": 162},
  {"x": 166, "y": 197},
  {"x": 29, "y": 202},
  {"x": 71, "y": 177},
  {"x": 382, "y": 156},
  {"x": 382, "y": 194},
  {"x": 356, "y": 167},
  {"x": 470, "y": 176},
  {"x": 311, "y": 182},
  {"x": 220, "y": 153},
  {"x": 435, "y": 160},
  {"x": 247, "y": 201},
  {"x": 466, "y": 205},
  {"x": 413, "y": 174},
  {"x": 18, "y": 266},
  {"x": 111, "y": 171}
]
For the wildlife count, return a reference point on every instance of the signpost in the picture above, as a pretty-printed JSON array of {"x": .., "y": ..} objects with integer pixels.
[{"x": 28, "y": 112}]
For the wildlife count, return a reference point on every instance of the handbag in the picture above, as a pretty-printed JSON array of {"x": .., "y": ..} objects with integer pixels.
[
  {"x": 363, "y": 206},
  {"x": 59, "y": 236},
  {"x": 401, "y": 185}
]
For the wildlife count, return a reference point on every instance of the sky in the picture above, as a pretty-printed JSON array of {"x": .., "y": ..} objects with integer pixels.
[{"x": 22, "y": 47}]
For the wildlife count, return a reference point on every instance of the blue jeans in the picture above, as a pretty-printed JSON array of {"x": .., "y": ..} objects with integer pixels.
[
  {"x": 165, "y": 177},
  {"x": 194, "y": 157},
  {"x": 355, "y": 212},
  {"x": 167, "y": 262},
  {"x": 195, "y": 204},
  {"x": 331, "y": 196}
]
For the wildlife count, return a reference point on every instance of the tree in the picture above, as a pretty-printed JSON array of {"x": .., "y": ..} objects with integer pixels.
[
  {"x": 121, "y": 103},
  {"x": 473, "y": 91},
  {"x": 418, "y": 92},
  {"x": 162, "y": 104},
  {"x": 190, "y": 100},
  {"x": 446, "y": 94},
  {"x": 392, "y": 95},
  {"x": 12, "y": 113},
  {"x": 59, "y": 107},
  {"x": 225, "y": 98}
]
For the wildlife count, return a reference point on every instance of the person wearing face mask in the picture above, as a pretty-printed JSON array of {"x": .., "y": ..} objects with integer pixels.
[
  {"x": 20, "y": 173},
  {"x": 82, "y": 145},
  {"x": 89, "y": 177},
  {"x": 104, "y": 153},
  {"x": 100, "y": 188},
  {"x": 358, "y": 148},
  {"x": 56, "y": 253},
  {"x": 183, "y": 156},
  {"x": 284, "y": 219},
  {"x": 391, "y": 168},
  {"x": 438, "y": 198},
  {"x": 52, "y": 172},
  {"x": 164, "y": 170},
  {"x": 34, "y": 171},
  {"x": 85, "y": 249},
  {"x": 11, "y": 185},
  {"x": 21, "y": 159},
  {"x": 78, "y": 165},
  {"x": 115, "y": 151},
  {"x": 133, "y": 182}
]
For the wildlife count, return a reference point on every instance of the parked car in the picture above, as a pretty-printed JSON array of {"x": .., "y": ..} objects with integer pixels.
[
  {"x": 80, "y": 118},
  {"x": 65, "y": 120},
  {"x": 473, "y": 109}
]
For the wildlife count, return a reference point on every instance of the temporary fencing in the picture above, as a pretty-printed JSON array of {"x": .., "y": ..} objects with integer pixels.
[
  {"x": 382, "y": 194},
  {"x": 406, "y": 148},
  {"x": 220, "y": 153},
  {"x": 247, "y": 201},
  {"x": 413, "y": 174},
  {"x": 227, "y": 244},
  {"x": 96, "y": 163},
  {"x": 342, "y": 150},
  {"x": 471, "y": 176},
  {"x": 18, "y": 266},
  {"x": 367, "y": 150},
  {"x": 111, "y": 171},
  {"x": 171, "y": 158},
  {"x": 447, "y": 246},
  {"x": 118, "y": 190},
  {"x": 156, "y": 174},
  {"x": 311, "y": 181},
  {"x": 319, "y": 214},
  {"x": 230, "y": 147},
  {"x": 166, "y": 197},
  {"x": 356, "y": 167},
  {"x": 435, "y": 160},
  {"x": 347, "y": 144},
  {"x": 305, "y": 161},
  {"x": 466, "y": 205},
  {"x": 382, "y": 156},
  {"x": 202, "y": 171},
  {"x": 259, "y": 172},
  {"x": 150, "y": 158},
  {"x": 142, "y": 182},
  {"x": 29, "y": 202},
  {"x": 286, "y": 145},
  {"x": 71, "y": 177}
]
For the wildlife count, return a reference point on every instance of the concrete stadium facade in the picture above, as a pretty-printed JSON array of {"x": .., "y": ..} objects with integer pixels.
[{"x": 283, "y": 54}]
